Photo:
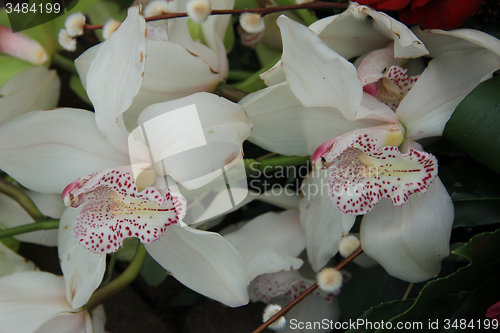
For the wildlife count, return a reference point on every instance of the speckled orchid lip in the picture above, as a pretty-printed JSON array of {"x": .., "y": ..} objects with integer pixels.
[
  {"x": 365, "y": 166},
  {"x": 112, "y": 209}
]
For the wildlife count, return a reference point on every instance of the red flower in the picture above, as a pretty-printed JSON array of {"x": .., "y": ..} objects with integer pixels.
[{"x": 429, "y": 14}]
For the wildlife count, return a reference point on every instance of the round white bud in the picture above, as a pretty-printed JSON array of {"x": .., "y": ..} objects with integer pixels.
[
  {"x": 199, "y": 10},
  {"x": 74, "y": 24},
  {"x": 252, "y": 23},
  {"x": 271, "y": 310},
  {"x": 67, "y": 42},
  {"x": 109, "y": 27},
  {"x": 329, "y": 279},
  {"x": 348, "y": 245},
  {"x": 155, "y": 8}
]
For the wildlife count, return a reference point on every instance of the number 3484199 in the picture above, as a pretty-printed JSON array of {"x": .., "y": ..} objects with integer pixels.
[{"x": 33, "y": 8}]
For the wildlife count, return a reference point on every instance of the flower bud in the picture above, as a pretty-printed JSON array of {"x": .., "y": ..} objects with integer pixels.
[
  {"x": 67, "y": 42},
  {"x": 252, "y": 23},
  {"x": 271, "y": 310},
  {"x": 329, "y": 279},
  {"x": 74, "y": 24},
  {"x": 198, "y": 10}
]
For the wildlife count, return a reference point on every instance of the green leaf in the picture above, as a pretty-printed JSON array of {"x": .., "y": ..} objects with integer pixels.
[
  {"x": 266, "y": 54},
  {"x": 384, "y": 312},
  {"x": 229, "y": 38},
  {"x": 76, "y": 85},
  {"x": 367, "y": 288},
  {"x": 196, "y": 31},
  {"x": 152, "y": 272},
  {"x": 483, "y": 251},
  {"x": 254, "y": 82},
  {"x": 475, "y": 307},
  {"x": 473, "y": 127},
  {"x": 10, "y": 67}
]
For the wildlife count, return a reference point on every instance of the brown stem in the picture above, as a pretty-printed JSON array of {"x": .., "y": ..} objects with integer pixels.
[
  {"x": 306, "y": 293},
  {"x": 261, "y": 11}
]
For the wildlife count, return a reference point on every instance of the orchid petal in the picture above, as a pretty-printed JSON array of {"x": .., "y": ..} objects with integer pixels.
[
  {"x": 441, "y": 41},
  {"x": 183, "y": 74},
  {"x": 274, "y": 75},
  {"x": 204, "y": 262},
  {"x": 270, "y": 243},
  {"x": 214, "y": 30},
  {"x": 349, "y": 36},
  {"x": 34, "y": 88},
  {"x": 11, "y": 262},
  {"x": 83, "y": 270},
  {"x": 406, "y": 44},
  {"x": 323, "y": 223},
  {"x": 65, "y": 143},
  {"x": 28, "y": 299},
  {"x": 196, "y": 135},
  {"x": 115, "y": 76},
  {"x": 113, "y": 210},
  {"x": 13, "y": 215},
  {"x": 317, "y": 75},
  {"x": 283, "y": 125},
  {"x": 82, "y": 63},
  {"x": 98, "y": 320},
  {"x": 441, "y": 87},
  {"x": 410, "y": 241},
  {"x": 65, "y": 322},
  {"x": 365, "y": 166}
]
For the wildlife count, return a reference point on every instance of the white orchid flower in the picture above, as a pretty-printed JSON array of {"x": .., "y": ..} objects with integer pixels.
[
  {"x": 11, "y": 262},
  {"x": 318, "y": 95},
  {"x": 190, "y": 66},
  {"x": 35, "y": 302},
  {"x": 66, "y": 144}
]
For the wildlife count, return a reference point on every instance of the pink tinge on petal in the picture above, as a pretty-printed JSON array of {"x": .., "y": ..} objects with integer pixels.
[
  {"x": 289, "y": 285},
  {"x": 22, "y": 47},
  {"x": 371, "y": 88},
  {"x": 373, "y": 67},
  {"x": 364, "y": 169},
  {"x": 113, "y": 210},
  {"x": 394, "y": 86}
]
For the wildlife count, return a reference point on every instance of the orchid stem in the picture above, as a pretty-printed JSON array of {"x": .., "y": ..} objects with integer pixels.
[
  {"x": 18, "y": 195},
  {"x": 23, "y": 229},
  {"x": 229, "y": 92},
  {"x": 260, "y": 11},
  {"x": 121, "y": 281},
  {"x": 306, "y": 293},
  {"x": 407, "y": 292},
  {"x": 110, "y": 267},
  {"x": 64, "y": 63}
]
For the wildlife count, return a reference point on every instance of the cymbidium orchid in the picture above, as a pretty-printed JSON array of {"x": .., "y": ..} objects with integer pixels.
[
  {"x": 373, "y": 113},
  {"x": 69, "y": 144},
  {"x": 191, "y": 66},
  {"x": 35, "y": 302}
]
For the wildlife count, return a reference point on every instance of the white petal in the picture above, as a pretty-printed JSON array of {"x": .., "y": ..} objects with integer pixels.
[
  {"x": 98, "y": 320},
  {"x": 187, "y": 133},
  {"x": 65, "y": 144},
  {"x": 214, "y": 30},
  {"x": 115, "y": 76},
  {"x": 33, "y": 89},
  {"x": 83, "y": 270},
  {"x": 49, "y": 204},
  {"x": 349, "y": 36},
  {"x": 182, "y": 74},
  {"x": 283, "y": 125},
  {"x": 406, "y": 44},
  {"x": 11, "y": 262},
  {"x": 317, "y": 75},
  {"x": 205, "y": 262},
  {"x": 66, "y": 322},
  {"x": 270, "y": 243},
  {"x": 274, "y": 75},
  {"x": 441, "y": 87},
  {"x": 83, "y": 62},
  {"x": 13, "y": 216},
  {"x": 410, "y": 241},
  {"x": 323, "y": 223},
  {"x": 29, "y": 299},
  {"x": 441, "y": 41}
]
